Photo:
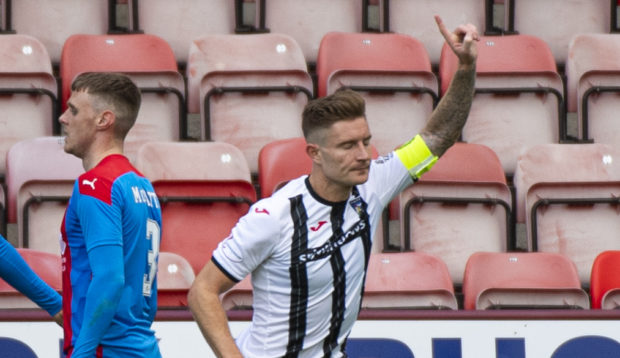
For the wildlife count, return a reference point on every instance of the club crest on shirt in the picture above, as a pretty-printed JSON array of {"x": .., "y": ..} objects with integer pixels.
[{"x": 356, "y": 204}]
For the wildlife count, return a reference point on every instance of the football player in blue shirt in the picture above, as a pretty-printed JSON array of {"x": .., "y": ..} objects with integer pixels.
[
  {"x": 16, "y": 272},
  {"x": 111, "y": 229}
]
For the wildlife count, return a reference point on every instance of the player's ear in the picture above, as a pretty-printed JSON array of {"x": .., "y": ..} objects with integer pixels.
[
  {"x": 106, "y": 119},
  {"x": 313, "y": 152}
]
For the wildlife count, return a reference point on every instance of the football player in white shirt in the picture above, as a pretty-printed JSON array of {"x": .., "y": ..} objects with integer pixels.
[{"x": 307, "y": 246}]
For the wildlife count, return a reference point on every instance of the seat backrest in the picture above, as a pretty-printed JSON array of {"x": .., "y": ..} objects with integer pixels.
[
  {"x": 281, "y": 161},
  {"x": 590, "y": 66},
  {"x": 174, "y": 278},
  {"x": 563, "y": 163},
  {"x": 30, "y": 92},
  {"x": 393, "y": 74},
  {"x": 462, "y": 205},
  {"x": 522, "y": 279},
  {"x": 52, "y": 22},
  {"x": 151, "y": 64},
  {"x": 308, "y": 21},
  {"x": 578, "y": 17},
  {"x": 569, "y": 207},
  {"x": 249, "y": 89},
  {"x": 605, "y": 276},
  {"x": 204, "y": 188},
  {"x": 40, "y": 177},
  {"x": 519, "y": 97},
  {"x": 415, "y": 18},
  {"x": 179, "y": 21},
  {"x": 408, "y": 280}
]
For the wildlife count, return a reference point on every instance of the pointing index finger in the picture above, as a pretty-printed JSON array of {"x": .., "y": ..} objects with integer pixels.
[{"x": 443, "y": 29}]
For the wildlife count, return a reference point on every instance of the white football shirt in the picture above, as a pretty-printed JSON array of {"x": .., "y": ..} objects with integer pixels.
[{"x": 308, "y": 258}]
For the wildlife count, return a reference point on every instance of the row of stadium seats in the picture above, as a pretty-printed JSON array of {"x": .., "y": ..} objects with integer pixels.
[
  {"x": 306, "y": 21},
  {"x": 407, "y": 280},
  {"x": 566, "y": 195},
  {"x": 250, "y": 89}
]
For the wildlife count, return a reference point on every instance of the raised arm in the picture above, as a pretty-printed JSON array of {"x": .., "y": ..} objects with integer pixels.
[{"x": 447, "y": 120}]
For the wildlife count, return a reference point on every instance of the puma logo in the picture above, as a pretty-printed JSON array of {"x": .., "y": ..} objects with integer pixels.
[
  {"x": 89, "y": 183},
  {"x": 261, "y": 211},
  {"x": 318, "y": 226}
]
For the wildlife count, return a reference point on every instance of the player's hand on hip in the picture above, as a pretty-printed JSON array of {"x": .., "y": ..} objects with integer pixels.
[{"x": 462, "y": 41}]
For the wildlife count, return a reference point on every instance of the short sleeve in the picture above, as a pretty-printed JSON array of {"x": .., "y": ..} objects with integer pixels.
[{"x": 251, "y": 242}]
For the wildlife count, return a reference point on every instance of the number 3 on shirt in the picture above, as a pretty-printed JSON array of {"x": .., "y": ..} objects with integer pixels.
[{"x": 153, "y": 235}]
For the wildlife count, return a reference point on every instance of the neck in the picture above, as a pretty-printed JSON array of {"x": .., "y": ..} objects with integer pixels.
[
  {"x": 329, "y": 190},
  {"x": 91, "y": 160}
]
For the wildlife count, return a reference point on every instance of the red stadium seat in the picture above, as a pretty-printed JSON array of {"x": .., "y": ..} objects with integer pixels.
[
  {"x": 46, "y": 265},
  {"x": 462, "y": 205},
  {"x": 203, "y": 188},
  {"x": 249, "y": 89},
  {"x": 532, "y": 17},
  {"x": 28, "y": 92},
  {"x": 567, "y": 196},
  {"x": 408, "y": 280},
  {"x": 605, "y": 280},
  {"x": 593, "y": 76},
  {"x": 52, "y": 22},
  {"x": 391, "y": 71},
  {"x": 40, "y": 180},
  {"x": 416, "y": 18},
  {"x": 174, "y": 278},
  {"x": 239, "y": 296},
  {"x": 308, "y": 21},
  {"x": 280, "y": 161},
  {"x": 180, "y": 21},
  {"x": 495, "y": 280},
  {"x": 150, "y": 62},
  {"x": 519, "y": 96}
]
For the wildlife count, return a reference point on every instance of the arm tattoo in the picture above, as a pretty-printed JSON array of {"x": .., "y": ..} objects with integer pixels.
[{"x": 447, "y": 120}]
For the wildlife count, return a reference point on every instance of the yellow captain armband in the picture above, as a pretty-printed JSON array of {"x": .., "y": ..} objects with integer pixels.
[{"x": 416, "y": 157}]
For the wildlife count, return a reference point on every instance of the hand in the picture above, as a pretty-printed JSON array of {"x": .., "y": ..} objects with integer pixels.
[
  {"x": 462, "y": 41},
  {"x": 58, "y": 318}
]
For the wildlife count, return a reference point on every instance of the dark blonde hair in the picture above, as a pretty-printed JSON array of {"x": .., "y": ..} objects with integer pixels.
[
  {"x": 322, "y": 112},
  {"x": 112, "y": 89}
]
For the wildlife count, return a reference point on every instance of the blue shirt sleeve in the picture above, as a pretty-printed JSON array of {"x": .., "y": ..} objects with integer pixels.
[
  {"x": 16, "y": 272},
  {"x": 102, "y": 298}
]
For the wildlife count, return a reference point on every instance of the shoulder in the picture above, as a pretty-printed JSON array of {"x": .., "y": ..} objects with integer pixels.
[
  {"x": 99, "y": 181},
  {"x": 275, "y": 210}
]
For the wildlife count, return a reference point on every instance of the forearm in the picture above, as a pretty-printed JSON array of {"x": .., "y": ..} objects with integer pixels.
[
  {"x": 102, "y": 298},
  {"x": 447, "y": 121},
  {"x": 16, "y": 272},
  {"x": 210, "y": 316}
]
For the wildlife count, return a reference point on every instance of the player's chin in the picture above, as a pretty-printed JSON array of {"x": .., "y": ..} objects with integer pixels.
[{"x": 359, "y": 176}]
